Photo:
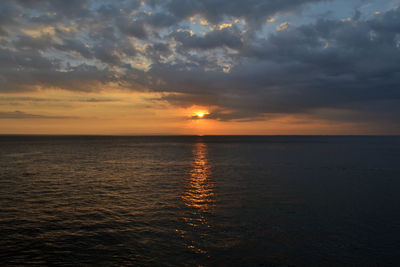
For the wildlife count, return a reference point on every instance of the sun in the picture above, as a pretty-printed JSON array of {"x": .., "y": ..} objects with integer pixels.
[{"x": 200, "y": 114}]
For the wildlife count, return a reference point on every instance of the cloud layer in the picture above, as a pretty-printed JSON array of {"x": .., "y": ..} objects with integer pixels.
[{"x": 244, "y": 60}]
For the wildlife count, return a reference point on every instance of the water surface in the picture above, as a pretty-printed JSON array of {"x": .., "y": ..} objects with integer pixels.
[{"x": 213, "y": 200}]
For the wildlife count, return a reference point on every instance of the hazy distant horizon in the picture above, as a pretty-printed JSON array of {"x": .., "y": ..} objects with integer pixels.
[{"x": 200, "y": 135}]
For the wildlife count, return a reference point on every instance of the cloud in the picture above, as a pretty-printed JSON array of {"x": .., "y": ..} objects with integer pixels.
[
  {"x": 97, "y": 100},
  {"x": 283, "y": 26},
  {"x": 294, "y": 71},
  {"x": 26, "y": 99},
  {"x": 132, "y": 28},
  {"x": 240, "y": 116},
  {"x": 22, "y": 115},
  {"x": 255, "y": 12},
  {"x": 227, "y": 37}
]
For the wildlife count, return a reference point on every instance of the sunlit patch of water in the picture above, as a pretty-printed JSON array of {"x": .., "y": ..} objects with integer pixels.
[{"x": 198, "y": 198}]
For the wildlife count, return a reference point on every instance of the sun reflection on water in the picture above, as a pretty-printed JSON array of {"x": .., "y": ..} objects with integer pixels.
[
  {"x": 198, "y": 199},
  {"x": 199, "y": 191}
]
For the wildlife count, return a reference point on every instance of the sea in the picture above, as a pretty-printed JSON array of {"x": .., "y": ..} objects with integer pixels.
[{"x": 199, "y": 200}]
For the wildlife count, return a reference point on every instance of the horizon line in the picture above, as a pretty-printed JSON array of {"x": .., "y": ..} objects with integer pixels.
[{"x": 200, "y": 135}]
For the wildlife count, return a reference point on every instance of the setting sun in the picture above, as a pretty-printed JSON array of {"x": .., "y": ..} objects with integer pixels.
[{"x": 200, "y": 114}]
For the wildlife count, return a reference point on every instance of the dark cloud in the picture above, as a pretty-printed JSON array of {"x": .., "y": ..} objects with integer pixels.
[
  {"x": 61, "y": 8},
  {"x": 39, "y": 100},
  {"x": 26, "y": 42},
  {"x": 22, "y": 115},
  {"x": 348, "y": 65},
  {"x": 8, "y": 14},
  {"x": 25, "y": 70},
  {"x": 98, "y": 100},
  {"x": 75, "y": 45},
  {"x": 27, "y": 99},
  {"x": 132, "y": 28},
  {"x": 240, "y": 116},
  {"x": 254, "y": 12},
  {"x": 158, "y": 50},
  {"x": 226, "y": 37},
  {"x": 159, "y": 20}
]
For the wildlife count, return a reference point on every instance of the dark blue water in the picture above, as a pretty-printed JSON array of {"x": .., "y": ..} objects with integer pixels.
[{"x": 303, "y": 201}]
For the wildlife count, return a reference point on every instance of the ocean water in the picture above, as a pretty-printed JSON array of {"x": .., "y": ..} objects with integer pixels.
[{"x": 200, "y": 200}]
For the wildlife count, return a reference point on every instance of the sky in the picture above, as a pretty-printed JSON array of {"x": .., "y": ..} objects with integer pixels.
[{"x": 200, "y": 67}]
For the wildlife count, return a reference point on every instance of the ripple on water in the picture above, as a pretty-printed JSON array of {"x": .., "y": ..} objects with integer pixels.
[{"x": 199, "y": 201}]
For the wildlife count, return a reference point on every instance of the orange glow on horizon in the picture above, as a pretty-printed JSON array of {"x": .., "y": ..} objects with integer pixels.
[{"x": 120, "y": 112}]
